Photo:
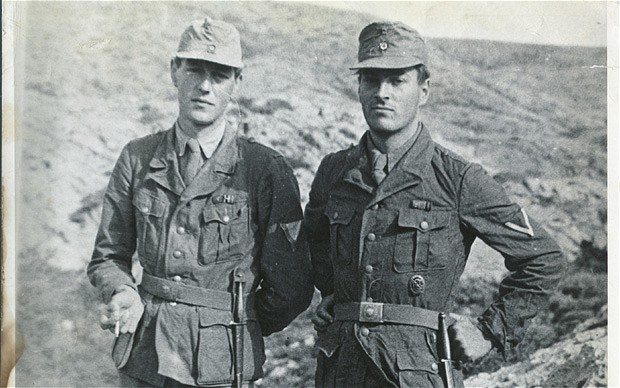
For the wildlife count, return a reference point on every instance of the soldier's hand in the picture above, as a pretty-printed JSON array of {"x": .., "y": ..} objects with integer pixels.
[
  {"x": 324, "y": 313},
  {"x": 125, "y": 307},
  {"x": 468, "y": 342}
]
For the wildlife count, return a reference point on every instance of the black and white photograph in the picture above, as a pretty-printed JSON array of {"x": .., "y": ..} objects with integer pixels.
[{"x": 309, "y": 194}]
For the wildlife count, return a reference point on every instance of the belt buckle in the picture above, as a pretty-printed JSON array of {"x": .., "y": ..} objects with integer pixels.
[{"x": 371, "y": 312}]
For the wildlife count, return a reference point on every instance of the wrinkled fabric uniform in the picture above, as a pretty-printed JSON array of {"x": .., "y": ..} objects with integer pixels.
[
  {"x": 242, "y": 210},
  {"x": 406, "y": 242}
]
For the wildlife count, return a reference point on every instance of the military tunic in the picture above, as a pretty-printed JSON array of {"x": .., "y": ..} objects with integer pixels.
[
  {"x": 242, "y": 210},
  {"x": 406, "y": 242}
]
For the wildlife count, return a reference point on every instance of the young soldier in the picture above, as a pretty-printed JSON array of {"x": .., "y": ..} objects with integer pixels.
[
  {"x": 391, "y": 222},
  {"x": 203, "y": 208}
]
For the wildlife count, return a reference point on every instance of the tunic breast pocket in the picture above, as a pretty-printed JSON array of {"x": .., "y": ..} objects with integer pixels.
[
  {"x": 342, "y": 242},
  {"x": 423, "y": 240},
  {"x": 225, "y": 232},
  {"x": 149, "y": 210}
]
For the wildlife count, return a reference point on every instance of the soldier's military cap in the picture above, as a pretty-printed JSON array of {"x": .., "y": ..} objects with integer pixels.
[
  {"x": 211, "y": 40},
  {"x": 390, "y": 45}
]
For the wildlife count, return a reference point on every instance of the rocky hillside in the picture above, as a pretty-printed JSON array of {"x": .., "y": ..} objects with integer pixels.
[{"x": 96, "y": 75}]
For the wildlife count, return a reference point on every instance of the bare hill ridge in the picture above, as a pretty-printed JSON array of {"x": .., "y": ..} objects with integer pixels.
[{"x": 97, "y": 75}]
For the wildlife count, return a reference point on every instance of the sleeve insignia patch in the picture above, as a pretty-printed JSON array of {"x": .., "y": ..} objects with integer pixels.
[{"x": 527, "y": 229}]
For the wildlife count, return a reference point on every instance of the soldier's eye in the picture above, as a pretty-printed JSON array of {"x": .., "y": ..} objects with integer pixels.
[
  {"x": 220, "y": 76},
  {"x": 370, "y": 80}
]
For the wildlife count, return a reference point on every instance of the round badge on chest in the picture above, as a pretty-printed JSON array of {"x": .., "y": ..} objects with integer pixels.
[{"x": 416, "y": 284}]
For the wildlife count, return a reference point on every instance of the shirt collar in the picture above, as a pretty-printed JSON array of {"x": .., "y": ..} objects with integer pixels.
[
  {"x": 395, "y": 156},
  {"x": 208, "y": 140}
]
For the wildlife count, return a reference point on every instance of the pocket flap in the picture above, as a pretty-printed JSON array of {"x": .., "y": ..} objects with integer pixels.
[
  {"x": 121, "y": 350},
  {"x": 210, "y": 317},
  {"x": 329, "y": 340},
  {"x": 338, "y": 214},
  {"x": 423, "y": 220},
  {"x": 148, "y": 204},
  {"x": 415, "y": 361},
  {"x": 223, "y": 214}
]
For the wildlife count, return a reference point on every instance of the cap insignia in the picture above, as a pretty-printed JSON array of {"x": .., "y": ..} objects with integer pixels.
[
  {"x": 383, "y": 46},
  {"x": 211, "y": 48}
]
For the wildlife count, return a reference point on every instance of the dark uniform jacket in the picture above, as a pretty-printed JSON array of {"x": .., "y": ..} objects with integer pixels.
[
  {"x": 406, "y": 242},
  {"x": 243, "y": 211}
]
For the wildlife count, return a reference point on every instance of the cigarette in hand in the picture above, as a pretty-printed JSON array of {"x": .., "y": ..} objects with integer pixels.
[{"x": 117, "y": 328}]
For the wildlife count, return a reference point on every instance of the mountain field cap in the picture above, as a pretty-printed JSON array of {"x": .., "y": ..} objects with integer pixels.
[
  {"x": 390, "y": 45},
  {"x": 211, "y": 40}
]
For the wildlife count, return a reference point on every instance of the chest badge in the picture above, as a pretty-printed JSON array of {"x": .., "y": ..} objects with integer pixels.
[
  {"x": 227, "y": 198},
  {"x": 417, "y": 284},
  {"x": 422, "y": 205}
]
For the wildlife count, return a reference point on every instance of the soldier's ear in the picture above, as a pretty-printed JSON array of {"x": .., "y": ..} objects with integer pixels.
[
  {"x": 174, "y": 66},
  {"x": 424, "y": 91}
]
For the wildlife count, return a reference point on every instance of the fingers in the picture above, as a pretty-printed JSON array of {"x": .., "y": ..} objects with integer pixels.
[
  {"x": 130, "y": 318},
  {"x": 107, "y": 323},
  {"x": 468, "y": 343},
  {"x": 126, "y": 308},
  {"x": 319, "y": 323},
  {"x": 323, "y": 315}
]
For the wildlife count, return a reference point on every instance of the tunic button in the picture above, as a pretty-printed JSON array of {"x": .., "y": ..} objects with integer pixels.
[
  {"x": 371, "y": 237},
  {"x": 434, "y": 366},
  {"x": 375, "y": 207},
  {"x": 433, "y": 337},
  {"x": 369, "y": 299},
  {"x": 369, "y": 269},
  {"x": 424, "y": 225},
  {"x": 166, "y": 289},
  {"x": 145, "y": 209},
  {"x": 226, "y": 219},
  {"x": 180, "y": 230},
  {"x": 177, "y": 254},
  {"x": 364, "y": 331},
  {"x": 335, "y": 215},
  {"x": 176, "y": 278}
]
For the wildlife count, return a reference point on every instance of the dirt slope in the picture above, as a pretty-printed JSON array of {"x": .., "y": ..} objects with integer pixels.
[{"x": 97, "y": 75}]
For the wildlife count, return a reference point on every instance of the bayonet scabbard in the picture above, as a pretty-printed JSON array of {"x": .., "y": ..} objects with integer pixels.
[
  {"x": 444, "y": 352},
  {"x": 238, "y": 325}
]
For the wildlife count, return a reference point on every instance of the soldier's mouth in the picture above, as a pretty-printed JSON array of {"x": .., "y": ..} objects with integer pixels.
[
  {"x": 381, "y": 108},
  {"x": 201, "y": 101}
]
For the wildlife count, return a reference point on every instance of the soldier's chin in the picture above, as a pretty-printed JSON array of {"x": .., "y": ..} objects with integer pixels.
[
  {"x": 382, "y": 127},
  {"x": 201, "y": 118}
]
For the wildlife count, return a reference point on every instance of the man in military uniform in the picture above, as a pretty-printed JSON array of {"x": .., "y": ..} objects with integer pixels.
[
  {"x": 391, "y": 222},
  {"x": 199, "y": 204}
]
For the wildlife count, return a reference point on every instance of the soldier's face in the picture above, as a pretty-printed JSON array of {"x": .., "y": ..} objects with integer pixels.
[
  {"x": 390, "y": 98},
  {"x": 204, "y": 90}
]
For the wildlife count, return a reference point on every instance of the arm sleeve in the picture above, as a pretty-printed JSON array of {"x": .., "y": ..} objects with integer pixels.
[
  {"x": 286, "y": 287},
  {"x": 110, "y": 265},
  {"x": 534, "y": 260},
  {"x": 316, "y": 225}
]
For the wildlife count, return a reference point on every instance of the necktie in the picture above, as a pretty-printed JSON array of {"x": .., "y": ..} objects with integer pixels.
[
  {"x": 192, "y": 161},
  {"x": 378, "y": 167}
]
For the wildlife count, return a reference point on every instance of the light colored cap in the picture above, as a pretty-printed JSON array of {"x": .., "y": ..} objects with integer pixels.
[
  {"x": 390, "y": 45},
  {"x": 211, "y": 40}
]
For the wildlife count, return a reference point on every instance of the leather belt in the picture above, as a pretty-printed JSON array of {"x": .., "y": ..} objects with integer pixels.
[
  {"x": 371, "y": 312},
  {"x": 197, "y": 296}
]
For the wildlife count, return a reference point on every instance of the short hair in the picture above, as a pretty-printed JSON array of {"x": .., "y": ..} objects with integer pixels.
[
  {"x": 178, "y": 61},
  {"x": 423, "y": 73}
]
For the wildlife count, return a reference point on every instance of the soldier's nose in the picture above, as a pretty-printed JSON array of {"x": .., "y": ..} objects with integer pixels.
[{"x": 205, "y": 85}]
